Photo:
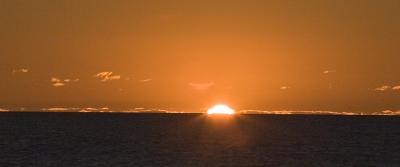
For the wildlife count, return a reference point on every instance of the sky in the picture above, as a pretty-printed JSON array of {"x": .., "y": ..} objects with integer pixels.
[{"x": 315, "y": 55}]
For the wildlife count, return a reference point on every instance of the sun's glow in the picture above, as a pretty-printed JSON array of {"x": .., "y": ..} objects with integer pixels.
[{"x": 220, "y": 109}]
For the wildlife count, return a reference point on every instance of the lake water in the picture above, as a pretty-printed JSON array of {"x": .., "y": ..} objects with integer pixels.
[{"x": 105, "y": 139}]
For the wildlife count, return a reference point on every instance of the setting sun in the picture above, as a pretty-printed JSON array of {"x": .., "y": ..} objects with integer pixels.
[{"x": 220, "y": 110}]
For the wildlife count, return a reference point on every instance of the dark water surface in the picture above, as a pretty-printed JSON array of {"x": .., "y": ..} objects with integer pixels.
[{"x": 100, "y": 139}]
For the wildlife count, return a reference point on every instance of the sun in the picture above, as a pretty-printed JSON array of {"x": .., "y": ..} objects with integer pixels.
[{"x": 220, "y": 109}]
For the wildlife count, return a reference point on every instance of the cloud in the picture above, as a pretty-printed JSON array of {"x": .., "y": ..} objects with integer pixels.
[
  {"x": 284, "y": 87},
  {"x": 56, "y": 109},
  {"x": 202, "y": 86},
  {"x": 107, "y": 76},
  {"x": 318, "y": 112},
  {"x": 145, "y": 80},
  {"x": 75, "y": 109},
  {"x": 153, "y": 110},
  {"x": 387, "y": 88},
  {"x": 173, "y": 110},
  {"x": 105, "y": 108},
  {"x": 288, "y": 112},
  {"x": 383, "y": 88},
  {"x": 89, "y": 109},
  {"x": 396, "y": 87},
  {"x": 56, "y": 82},
  {"x": 54, "y": 79},
  {"x": 130, "y": 110},
  {"x": 4, "y": 110},
  {"x": 328, "y": 71},
  {"x": 387, "y": 112},
  {"x": 101, "y": 109},
  {"x": 21, "y": 70}
]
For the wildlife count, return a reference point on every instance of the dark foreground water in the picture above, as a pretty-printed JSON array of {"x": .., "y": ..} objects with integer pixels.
[{"x": 96, "y": 139}]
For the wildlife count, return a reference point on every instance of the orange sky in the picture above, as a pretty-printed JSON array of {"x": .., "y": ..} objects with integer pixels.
[{"x": 264, "y": 55}]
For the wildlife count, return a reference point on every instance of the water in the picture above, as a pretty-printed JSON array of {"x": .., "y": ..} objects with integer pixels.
[{"x": 100, "y": 139}]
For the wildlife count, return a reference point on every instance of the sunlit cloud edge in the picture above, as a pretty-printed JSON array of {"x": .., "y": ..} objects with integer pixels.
[{"x": 176, "y": 111}]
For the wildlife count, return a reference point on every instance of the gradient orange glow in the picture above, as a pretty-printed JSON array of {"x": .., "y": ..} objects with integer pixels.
[{"x": 180, "y": 55}]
